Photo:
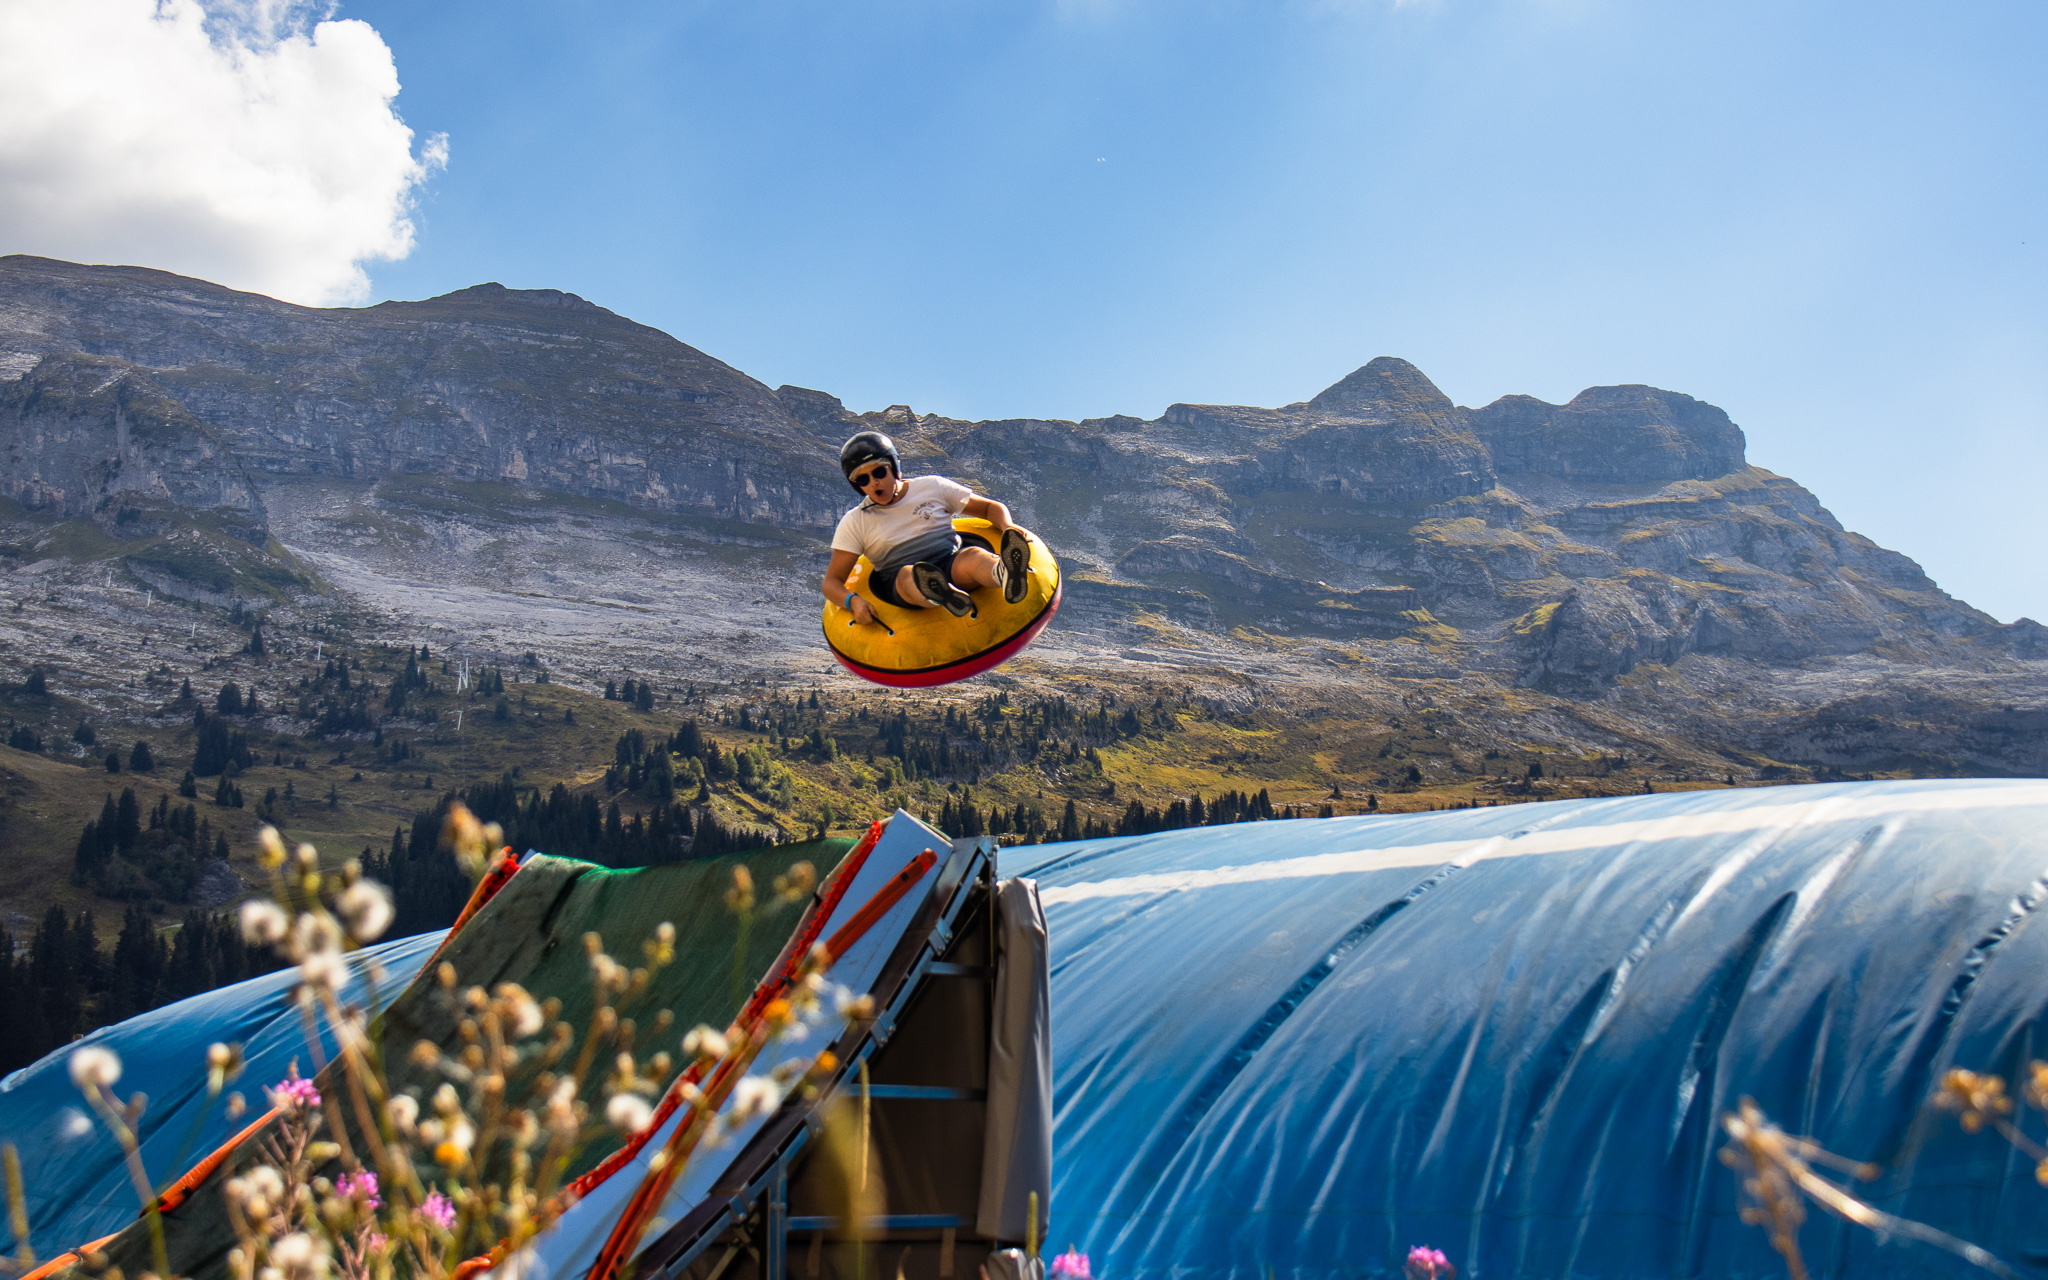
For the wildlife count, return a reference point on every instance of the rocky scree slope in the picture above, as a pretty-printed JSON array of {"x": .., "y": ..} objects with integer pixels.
[{"x": 1561, "y": 548}]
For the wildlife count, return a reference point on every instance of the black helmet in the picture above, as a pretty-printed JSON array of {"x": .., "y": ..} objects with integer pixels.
[{"x": 865, "y": 448}]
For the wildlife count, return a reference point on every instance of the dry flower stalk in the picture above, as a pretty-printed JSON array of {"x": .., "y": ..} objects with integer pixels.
[{"x": 1778, "y": 1177}]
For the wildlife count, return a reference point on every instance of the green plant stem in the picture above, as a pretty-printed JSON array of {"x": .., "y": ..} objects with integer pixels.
[
  {"x": 131, "y": 1150},
  {"x": 17, "y": 1208}
]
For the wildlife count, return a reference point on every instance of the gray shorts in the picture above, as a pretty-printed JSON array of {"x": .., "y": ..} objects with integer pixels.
[{"x": 882, "y": 582}]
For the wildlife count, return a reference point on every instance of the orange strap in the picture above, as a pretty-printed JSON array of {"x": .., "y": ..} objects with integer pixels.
[
  {"x": 487, "y": 888},
  {"x": 71, "y": 1259},
  {"x": 181, "y": 1190},
  {"x": 878, "y": 906},
  {"x": 654, "y": 1188}
]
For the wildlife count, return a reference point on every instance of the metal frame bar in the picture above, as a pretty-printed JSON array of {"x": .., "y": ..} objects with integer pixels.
[
  {"x": 887, "y": 1222},
  {"x": 948, "y": 969}
]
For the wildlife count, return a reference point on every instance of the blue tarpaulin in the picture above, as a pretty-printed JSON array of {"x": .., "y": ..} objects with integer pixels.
[
  {"x": 78, "y": 1189},
  {"x": 1298, "y": 1048}
]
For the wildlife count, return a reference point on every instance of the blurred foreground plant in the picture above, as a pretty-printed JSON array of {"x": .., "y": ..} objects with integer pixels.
[
  {"x": 1778, "y": 1177},
  {"x": 364, "y": 1181}
]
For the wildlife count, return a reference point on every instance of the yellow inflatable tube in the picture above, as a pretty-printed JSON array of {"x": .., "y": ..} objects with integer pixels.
[{"x": 931, "y": 646}]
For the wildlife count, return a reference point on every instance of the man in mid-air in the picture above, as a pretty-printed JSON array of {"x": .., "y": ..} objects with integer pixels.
[{"x": 905, "y": 529}]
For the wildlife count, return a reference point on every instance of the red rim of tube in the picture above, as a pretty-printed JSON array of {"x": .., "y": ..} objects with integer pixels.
[{"x": 962, "y": 668}]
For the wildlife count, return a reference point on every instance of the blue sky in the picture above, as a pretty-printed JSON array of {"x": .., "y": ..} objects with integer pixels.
[{"x": 1829, "y": 219}]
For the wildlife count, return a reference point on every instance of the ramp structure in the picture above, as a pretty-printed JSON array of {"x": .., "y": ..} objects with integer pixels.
[{"x": 1295, "y": 1049}]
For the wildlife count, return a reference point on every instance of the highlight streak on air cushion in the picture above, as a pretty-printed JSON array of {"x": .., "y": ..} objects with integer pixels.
[{"x": 1565, "y": 839}]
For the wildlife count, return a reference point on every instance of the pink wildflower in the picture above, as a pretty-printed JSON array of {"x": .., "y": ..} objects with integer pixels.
[
  {"x": 439, "y": 1210},
  {"x": 1425, "y": 1263},
  {"x": 375, "y": 1241},
  {"x": 359, "y": 1186},
  {"x": 295, "y": 1094},
  {"x": 1071, "y": 1265}
]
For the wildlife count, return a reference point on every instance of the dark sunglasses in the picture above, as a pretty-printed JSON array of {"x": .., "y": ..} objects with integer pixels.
[{"x": 862, "y": 479}]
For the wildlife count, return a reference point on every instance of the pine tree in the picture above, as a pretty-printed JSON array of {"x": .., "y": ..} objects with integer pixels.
[
  {"x": 127, "y": 820},
  {"x": 56, "y": 988},
  {"x": 137, "y": 968},
  {"x": 87, "y": 858}
]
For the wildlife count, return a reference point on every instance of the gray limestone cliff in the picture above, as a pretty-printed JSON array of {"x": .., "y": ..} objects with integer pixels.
[{"x": 1572, "y": 542}]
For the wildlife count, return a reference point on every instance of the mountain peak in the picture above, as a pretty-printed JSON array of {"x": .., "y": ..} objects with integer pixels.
[
  {"x": 1631, "y": 433},
  {"x": 493, "y": 292},
  {"x": 1383, "y": 384}
]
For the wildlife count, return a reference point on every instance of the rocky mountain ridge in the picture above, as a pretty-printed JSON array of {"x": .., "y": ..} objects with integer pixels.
[{"x": 528, "y": 444}]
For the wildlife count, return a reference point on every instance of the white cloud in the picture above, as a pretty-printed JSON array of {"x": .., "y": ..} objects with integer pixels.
[{"x": 242, "y": 141}]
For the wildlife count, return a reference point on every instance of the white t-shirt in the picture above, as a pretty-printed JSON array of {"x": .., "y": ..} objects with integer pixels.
[{"x": 917, "y": 526}]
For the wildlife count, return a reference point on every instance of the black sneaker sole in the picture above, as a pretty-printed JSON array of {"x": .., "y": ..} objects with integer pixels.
[
  {"x": 1016, "y": 555},
  {"x": 933, "y": 586}
]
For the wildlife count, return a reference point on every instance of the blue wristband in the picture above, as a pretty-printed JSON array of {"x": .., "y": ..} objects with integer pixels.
[{"x": 849, "y": 602}]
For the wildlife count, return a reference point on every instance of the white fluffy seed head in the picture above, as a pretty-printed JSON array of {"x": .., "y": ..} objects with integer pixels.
[
  {"x": 404, "y": 1111},
  {"x": 754, "y": 1096},
  {"x": 263, "y": 923},
  {"x": 265, "y": 1181},
  {"x": 629, "y": 1111},
  {"x": 324, "y": 969},
  {"x": 299, "y": 1256},
  {"x": 522, "y": 1012},
  {"x": 703, "y": 1042},
  {"x": 95, "y": 1068},
  {"x": 366, "y": 905}
]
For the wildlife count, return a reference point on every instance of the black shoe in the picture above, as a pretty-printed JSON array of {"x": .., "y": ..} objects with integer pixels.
[
  {"x": 932, "y": 584},
  {"x": 1016, "y": 561}
]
